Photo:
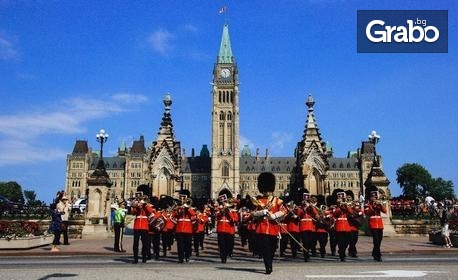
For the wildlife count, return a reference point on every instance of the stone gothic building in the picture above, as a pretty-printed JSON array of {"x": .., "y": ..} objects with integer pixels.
[{"x": 225, "y": 168}]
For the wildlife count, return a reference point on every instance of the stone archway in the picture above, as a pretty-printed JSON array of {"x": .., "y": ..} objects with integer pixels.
[{"x": 226, "y": 192}]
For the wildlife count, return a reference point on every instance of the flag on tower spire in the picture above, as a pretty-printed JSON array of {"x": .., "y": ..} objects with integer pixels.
[{"x": 223, "y": 9}]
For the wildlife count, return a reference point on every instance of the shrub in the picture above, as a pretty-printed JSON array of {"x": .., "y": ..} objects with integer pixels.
[{"x": 15, "y": 229}]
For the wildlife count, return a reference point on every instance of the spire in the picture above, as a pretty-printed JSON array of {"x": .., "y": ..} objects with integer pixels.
[
  {"x": 166, "y": 129},
  {"x": 225, "y": 51},
  {"x": 312, "y": 133}
]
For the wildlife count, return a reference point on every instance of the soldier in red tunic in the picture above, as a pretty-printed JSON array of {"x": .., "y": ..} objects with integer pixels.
[
  {"x": 373, "y": 212},
  {"x": 355, "y": 221},
  {"x": 142, "y": 210},
  {"x": 269, "y": 209},
  {"x": 307, "y": 214},
  {"x": 198, "y": 238},
  {"x": 292, "y": 226},
  {"x": 342, "y": 227},
  {"x": 185, "y": 216},
  {"x": 226, "y": 219}
]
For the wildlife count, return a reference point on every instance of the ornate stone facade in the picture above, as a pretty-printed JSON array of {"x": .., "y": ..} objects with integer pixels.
[{"x": 165, "y": 168}]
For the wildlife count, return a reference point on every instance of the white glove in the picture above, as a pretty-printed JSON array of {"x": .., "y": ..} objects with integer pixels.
[
  {"x": 272, "y": 216},
  {"x": 265, "y": 212}
]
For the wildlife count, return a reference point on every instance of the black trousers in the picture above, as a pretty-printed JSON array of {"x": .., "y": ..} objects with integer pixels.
[
  {"x": 243, "y": 232},
  {"x": 156, "y": 243},
  {"x": 294, "y": 243},
  {"x": 65, "y": 232},
  {"x": 198, "y": 239},
  {"x": 143, "y": 235},
  {"x": 307, "y": 241},
  {"x": 267, "y": 245},
  {"x": 252, "y": 243},
  {"x": 225, "y": 245},
  {"x": 184, "y": 244},
  {"x": 332, "y": 241},
  {"x": 284, "y": 243},
  {"x": 377, "y": 236},
  {"x": 343, "y": 239},
  {"x": 119, "y": 232},
  {"x": 167, "y": 240},
  {"x": 352, "y": 251},
  {"x": 56, "y": 240},
  {"x": 322, "y": 241}
]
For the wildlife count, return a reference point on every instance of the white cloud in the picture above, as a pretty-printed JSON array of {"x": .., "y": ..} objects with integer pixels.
[
  {"x": 245, "y": 141},
  {"x": 14, "y": 152},
  {"x": 130, "y": 98},
  {"x": 20, "y": 133},
  {"x": 7, "y": 50},
  {"x": 280, "y": 139},
  {"x": 191, "y": 28},
  {"x": 161, "y": 41}
]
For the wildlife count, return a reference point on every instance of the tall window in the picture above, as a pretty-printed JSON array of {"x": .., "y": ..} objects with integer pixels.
[{"x": 225, "y": 171}]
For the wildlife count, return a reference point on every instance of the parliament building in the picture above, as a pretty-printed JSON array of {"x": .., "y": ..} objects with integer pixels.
[{"x": 225, "y": 167}]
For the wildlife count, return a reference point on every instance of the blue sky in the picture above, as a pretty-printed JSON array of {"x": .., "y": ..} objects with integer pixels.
[{"x": 69, "y": 68}]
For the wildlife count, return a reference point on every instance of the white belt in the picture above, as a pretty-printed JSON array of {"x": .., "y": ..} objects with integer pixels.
[
  {"x": 184, "y": 220},
  {"x": 375, "y": 217},
  {"x": 306, "y": 219},
  {"x": 141, "y": 217},
  {"x": 341, "y": 219},
  {"x": 225, "y": 221}
]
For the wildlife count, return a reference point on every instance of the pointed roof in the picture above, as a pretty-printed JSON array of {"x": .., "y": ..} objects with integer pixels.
[
  {"x": 138, "y": 147},
  {"x": 225, "y": 51},
  {"x": 80, "y": 147},
  {"x": 312, "y": 133}
]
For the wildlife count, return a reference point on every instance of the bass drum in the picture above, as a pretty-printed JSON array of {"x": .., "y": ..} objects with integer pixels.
[{"x": 157, "y": 225}]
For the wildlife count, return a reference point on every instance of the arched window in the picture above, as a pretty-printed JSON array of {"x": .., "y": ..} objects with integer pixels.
[
  {"x": 232, "y": 96},
  {"x": 219, "y": 96},
  {"x": 229, "y": 116},
  {"x": 221, "y": 116}
]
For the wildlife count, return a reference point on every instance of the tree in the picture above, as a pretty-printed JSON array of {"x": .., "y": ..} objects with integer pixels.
[
  {"x": 414, "y": 180},
  {"x": 31, "y": 197},
  {"x": 441, "y": 189},
  {"x": 12, "y": 191}
]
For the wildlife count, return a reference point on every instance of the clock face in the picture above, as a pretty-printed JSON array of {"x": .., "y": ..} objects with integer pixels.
[{"x": 225, "y": 73}]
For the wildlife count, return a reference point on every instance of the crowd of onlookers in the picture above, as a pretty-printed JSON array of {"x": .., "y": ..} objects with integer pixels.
[
  {"x": 446, "y": 211},
  {"x": 426, "y": 207}
]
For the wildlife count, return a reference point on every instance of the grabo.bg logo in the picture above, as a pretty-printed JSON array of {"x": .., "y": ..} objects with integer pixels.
[{"x": 402, "y": 31}]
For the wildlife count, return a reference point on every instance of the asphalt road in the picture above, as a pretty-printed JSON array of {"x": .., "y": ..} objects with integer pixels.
[{"x": 409, "y": 266}]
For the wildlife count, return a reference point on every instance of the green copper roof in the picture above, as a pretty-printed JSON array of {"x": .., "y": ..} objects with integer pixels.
[{"x": 225, "y": 51}]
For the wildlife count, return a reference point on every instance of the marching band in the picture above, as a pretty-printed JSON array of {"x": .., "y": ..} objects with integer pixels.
[{"x": 263, "y": 223}]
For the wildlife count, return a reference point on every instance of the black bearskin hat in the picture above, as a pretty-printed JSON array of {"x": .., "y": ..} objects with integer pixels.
[{"x": 266, "y": 182}]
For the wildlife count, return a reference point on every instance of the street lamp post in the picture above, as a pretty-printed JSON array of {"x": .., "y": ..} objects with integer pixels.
[
  {"x": 102, "y": 137},
  {"x": 374, "y": 138}
]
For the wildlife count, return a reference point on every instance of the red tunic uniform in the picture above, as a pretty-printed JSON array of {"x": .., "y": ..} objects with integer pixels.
[
  {"x": 265, "y": 225},
  {"x": 306, "y": 218},
  {"x": 202, "y": 220},
  {"x": 141, "y": 216},
  {"x": 373, "y": 212},
  {"x": 184, "y": 218},
  {"x": 225, "y": 222},
  {"x": 341, "y": 219}
]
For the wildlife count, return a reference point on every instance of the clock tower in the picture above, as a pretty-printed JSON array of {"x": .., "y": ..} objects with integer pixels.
[{"x": 225, "y": 174}]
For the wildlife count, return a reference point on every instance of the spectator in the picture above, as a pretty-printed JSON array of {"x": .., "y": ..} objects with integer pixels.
[
  {"x": 445, "y": 226},
  {"x": 64, "y": 207},
  {"x": 56, "y": 223}
]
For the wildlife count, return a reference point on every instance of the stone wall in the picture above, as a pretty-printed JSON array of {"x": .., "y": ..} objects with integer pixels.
[{"x": 419, "y": 227}]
